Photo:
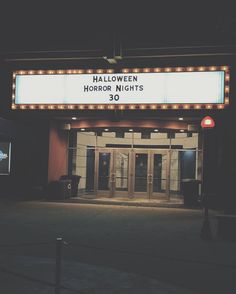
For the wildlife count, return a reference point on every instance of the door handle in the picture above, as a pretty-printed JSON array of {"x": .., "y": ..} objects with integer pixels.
[
  {"x": 112, "y": 178},
  {"x": 150, "y": 179}
]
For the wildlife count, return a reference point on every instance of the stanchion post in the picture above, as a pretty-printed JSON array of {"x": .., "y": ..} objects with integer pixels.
[{"x": 58, "y": 265}]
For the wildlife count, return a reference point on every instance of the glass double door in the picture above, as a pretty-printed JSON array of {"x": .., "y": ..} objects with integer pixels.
[{"x": 132, "y": 173}]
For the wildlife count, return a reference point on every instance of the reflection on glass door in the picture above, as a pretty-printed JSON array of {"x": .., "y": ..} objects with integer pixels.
[
  {"x": 141, "y": 170},
  {"x": 121, "y": 169},
  {"x": 159, "y": 170},
  {"x": 104, "y": 171}
]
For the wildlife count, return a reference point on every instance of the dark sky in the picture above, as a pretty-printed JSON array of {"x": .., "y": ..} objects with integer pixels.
[{"x": 83, "y": 24}]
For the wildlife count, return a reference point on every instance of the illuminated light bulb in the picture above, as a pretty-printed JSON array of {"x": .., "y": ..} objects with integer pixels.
[
  {"x": 227, "y": 89},
  {"x": 209, "y": 106},
  {"x": 212, "y": 68},
  {"x": 182, "y": 131},
  {"x": 82, "y": 129},
  {"x": 156, "y": 130},
  {"x": 89, "y": 71},
  {"x": 13, "y": 96},
  {"x": 22, "y": 72},
  {"x": 227, "y": 77},
  {"x": 130, "y": 130},
  {"x": 197, "y": 106},
  {"x": 14, "y": 75},
  {"x": 32, "y": 107},
  {"x": 179, "y": 69},
  {"x": 163, "y": 106},
  {"x": 111, "y": 106},
  {"x": 13, "y": 86},
  {"x": 91, "y": 107},
  {"x": 13, "y": 106},
  {"x": 146, "y": 70},
  {"x": 201, "y": 68},
  {"x": 99, "y": 71},
  {"x": 220, "y": 106},
  {"x": 125, "y": 70},
  {"x": 132, "y": 107},
  {"x": 30, "y": 72},
  {"x": 110, "y": 71},
  {"x": 157, "y": 69},
  {"x": 101, "y": 106},
  {"x": 106, "y": 130},
  {"x": 153, "y": 107},
  {"x": 190, "y": 69},
  {"x": 136, "y": 70},
  {"x": 81, "y": 107},
  {"x": 224, "y": 68},
  {"x": 227, "y": 100},
  {"x": 175, "y": 106},
  {"x": 40, "y": 72},
  {"x": 143, "y": 106},
  {"x": 167, "y": 69},
  {"x": 41, "y": 106},
  {"x": 121, "y": 107},
  {"x": 22, "y": 107},
  {"x": 180, "y": 118}
]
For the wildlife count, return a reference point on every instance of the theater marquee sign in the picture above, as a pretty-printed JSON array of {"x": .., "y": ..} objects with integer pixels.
[{"x": 146, "y": 88}]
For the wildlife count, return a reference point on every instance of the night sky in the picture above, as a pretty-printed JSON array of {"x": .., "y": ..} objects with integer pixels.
[{"x": 76, "y": 25}]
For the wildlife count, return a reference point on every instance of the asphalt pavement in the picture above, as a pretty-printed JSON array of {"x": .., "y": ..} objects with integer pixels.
[{"x": 111, "y": 249}]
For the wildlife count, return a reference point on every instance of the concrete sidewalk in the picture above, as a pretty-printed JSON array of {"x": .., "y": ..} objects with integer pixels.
[{"x": 138, "y": 202}]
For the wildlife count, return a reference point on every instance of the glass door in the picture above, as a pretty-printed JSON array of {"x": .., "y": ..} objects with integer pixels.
[
  {"x": 140, "y": 173},
  {"x": 122, "y": 163},
  {"x": 104, "y": 175},
  {"x": 159, "y": 174}
]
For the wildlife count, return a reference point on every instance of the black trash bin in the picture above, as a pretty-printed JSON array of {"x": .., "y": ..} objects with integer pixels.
[
  {"x": 74, "y": 183},
  {"x": 190, "y": 190},
  {"x": 59, "y": 190}
]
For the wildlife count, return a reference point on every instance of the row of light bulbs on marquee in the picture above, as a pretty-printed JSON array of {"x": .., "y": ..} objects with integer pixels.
[
  {"x": 124, "y": 70},
  {"x": 118, "y": 106}
]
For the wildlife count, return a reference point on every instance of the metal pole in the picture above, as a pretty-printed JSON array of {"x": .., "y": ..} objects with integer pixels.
[
  {"x": 206, "y": 233},
  {"x": 58, "y": 265}
]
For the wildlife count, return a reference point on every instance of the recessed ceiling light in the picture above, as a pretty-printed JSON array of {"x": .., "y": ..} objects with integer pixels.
[
  {"x": 181, "y": 131},
  {"x": 181, "y": 118},
  {"x": 106, "y": 130},
  {"x": 130, "y": 130},
  {"x": 82, "y": 129},
  {"x": 156, "y": 130},
  {"x": 74, "y": 118}
]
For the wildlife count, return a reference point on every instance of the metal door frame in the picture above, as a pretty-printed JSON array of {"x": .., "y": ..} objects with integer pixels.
[{"x": 131, "y": 173}]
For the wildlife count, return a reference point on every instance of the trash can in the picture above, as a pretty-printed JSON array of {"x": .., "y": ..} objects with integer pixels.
[
  {"x": 74, "y": 183},
  {"x": 59, "y": 190},
  {"x": 190, "y": 190}
]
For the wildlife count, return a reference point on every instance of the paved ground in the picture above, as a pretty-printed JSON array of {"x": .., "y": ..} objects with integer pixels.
[{"x": 111, "y": 249}]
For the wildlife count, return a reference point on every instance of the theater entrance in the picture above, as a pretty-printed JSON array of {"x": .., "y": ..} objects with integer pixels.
[
  {"x": 132, "y": 164},
  {"x": 132, "y": 172}
]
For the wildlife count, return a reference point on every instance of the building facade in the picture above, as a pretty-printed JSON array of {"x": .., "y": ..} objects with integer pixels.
[{"x": 129, "y": 129}]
